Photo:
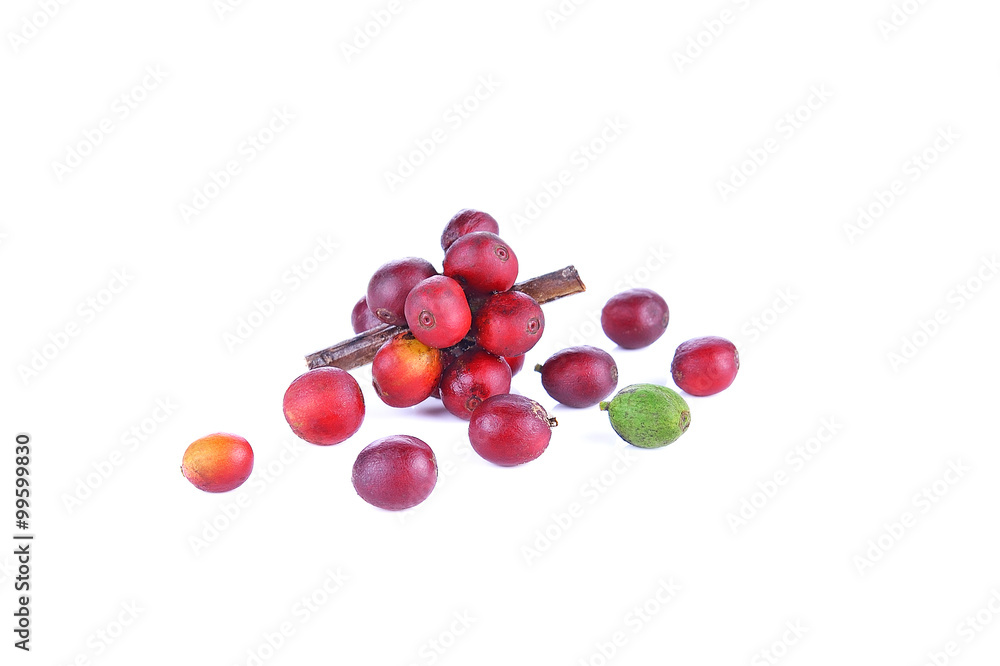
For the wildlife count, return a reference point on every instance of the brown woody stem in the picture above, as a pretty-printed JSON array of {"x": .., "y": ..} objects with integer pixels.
[{"x": 361, "y": 349}]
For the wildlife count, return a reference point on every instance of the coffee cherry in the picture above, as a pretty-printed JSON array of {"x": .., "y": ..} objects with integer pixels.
[
  {"x": 363, "y": 319},
  {"x": 395, "y": 473},
  {"x": 647, "y": 415},
  {"x": 466, "y": 222},
  {"x": 705, "y": 366},
  {"x": 324, "y": 406},
  {"x": 508, "y": 324},
  {"x": 482, "y": 263},
  {"x": 389, "y": 286},
  {"x": 437, "y": 312},
  {"x": 218, "y": 463},
  {"x": 579, "y": 376},
  {"x": 515, "y": 363},
  {"x": 635, "y": 318},
  {"x": 473, "y": 377},
  {"x": 405, "y": 371},
  {"x": 510, "y": 430}
]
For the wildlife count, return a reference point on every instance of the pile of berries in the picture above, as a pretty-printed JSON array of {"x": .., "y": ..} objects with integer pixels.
[{"x": 466, "y": 333}]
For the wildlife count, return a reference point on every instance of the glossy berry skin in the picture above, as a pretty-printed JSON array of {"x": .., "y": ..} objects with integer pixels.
[
  {"x": 324, "y": 406},
  {"x": 482, "y": 262},
  {"x": 579, "y": 376},
  {"x": 474, "y": 376},
  {"x": 437, "y": 312},
  {"x": 389, "y": 286},
  {"x": 363, "y": 319},
  {"x": 218, "y": 463},
  {"x": 508, "y": 324},
  {"x": 705, "y": 366},
  {"x": 466, "y": 222},
  {"x": 635, "y": 318},
  {"x": 395, "y": 473},
  {"x": 515, "y": 363},
  {"x": 405, "y": 371},
  {"x": 510, "y": 430}
]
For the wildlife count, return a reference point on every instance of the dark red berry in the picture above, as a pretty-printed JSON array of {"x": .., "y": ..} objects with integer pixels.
[
  {"x": 510, "y": 429},
  {"x": 482, "y": 262},
  {"x": 705, "y": 366},
  {"x": 405, "y": 371},
  {"x": 389, "y": 286},
  {"x": 472, "y": 378},
  {"x": 579, "y": 376},
  {"x": 395, "y": 473},
  {"x": 437, "y": 312},
  {"x": 466, "y": 222},
  {"x": 324, "y": 406},
  {"x": 508, "y": 324},
  {"x": 515, "y": 363},
  {"x": 635, "y": 318},
  {"x": 363, "y": 319}
]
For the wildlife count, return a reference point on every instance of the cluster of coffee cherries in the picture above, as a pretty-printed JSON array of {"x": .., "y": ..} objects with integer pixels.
[{"x": 466, "y": 332}]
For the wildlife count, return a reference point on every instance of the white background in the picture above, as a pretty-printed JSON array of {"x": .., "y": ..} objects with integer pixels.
[{"x": 817, "y": 306}]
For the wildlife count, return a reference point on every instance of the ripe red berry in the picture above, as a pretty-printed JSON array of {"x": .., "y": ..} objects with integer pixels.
[
  {"x": 363, "y": 319},
  {"x": 635, "y": 318},
  {"x": 405, "y": 371},
  {"x": 579, "y": 376},
  {"x": 515, "y": 363},
  {"x": 705, "y": 366},
  {"x": 472, "y": 378},
  {"x": 466, "y": 222},
  {"x": 482, "y": 262},
  {"x": 218, "y": 463},
  {"x": 389, "y": 286},
  {"x": 508, "y": 324},
  {"x": 510, "y": 429},
  {"x": 324, "y": 406},
  {"x": 395, "y": 473},
  {"x": 437, "y": 312}
]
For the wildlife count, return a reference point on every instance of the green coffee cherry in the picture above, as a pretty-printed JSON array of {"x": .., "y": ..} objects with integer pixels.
[{"x": 648, "y": 416}]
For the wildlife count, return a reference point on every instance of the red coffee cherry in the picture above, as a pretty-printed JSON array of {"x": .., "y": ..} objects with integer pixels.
[
  {"x": 466, "y": 222},
  {"x": 363, "y": 319},
  {"x": 218, "y": 463},
  {"x": 437, "y": 312},
  {"x": 635, "y": 318},
  {"x": 324, "y": 406},
  {"x": 579, "y": 376},
  {"x": 391, "y": 283},
  {"x": 510, "y": 430},
  {"x": 482, "y": 262},
  {"x": 472, "y": 378},
  {"x": 405, "y": 371},
  {"x": 508, "y": 324},
  {"x": 705, "y": 366},
  {"x": 395, "y": 473}
]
